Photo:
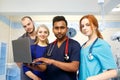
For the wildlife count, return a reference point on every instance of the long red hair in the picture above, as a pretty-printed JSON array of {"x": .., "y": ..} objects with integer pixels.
[{"x": 93, "y": 21}]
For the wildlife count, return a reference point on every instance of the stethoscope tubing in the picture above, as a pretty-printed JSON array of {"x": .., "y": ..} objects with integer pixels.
[
  {"x": 90, "y": 55},
  {"x": 52, "y": 45}
]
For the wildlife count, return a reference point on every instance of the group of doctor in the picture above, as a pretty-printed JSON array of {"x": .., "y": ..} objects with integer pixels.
[{"x": 65, "y": 58}]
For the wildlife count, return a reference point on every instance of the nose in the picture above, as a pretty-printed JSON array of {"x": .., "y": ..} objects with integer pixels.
[
  {"x": 42, "y": 33},
  {"x": 59, "y": 30}
]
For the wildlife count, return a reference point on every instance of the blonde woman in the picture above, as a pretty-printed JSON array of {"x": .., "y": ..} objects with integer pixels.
[{"x": 37, "y": 50}]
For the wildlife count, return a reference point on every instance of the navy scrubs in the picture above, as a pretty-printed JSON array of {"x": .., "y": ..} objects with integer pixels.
[{"x": 53, "y": 72}]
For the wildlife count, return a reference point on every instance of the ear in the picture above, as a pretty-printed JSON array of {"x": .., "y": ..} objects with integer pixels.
[
  {"x": 94, "y": 27},
  {"x": 67, "y": 28}
]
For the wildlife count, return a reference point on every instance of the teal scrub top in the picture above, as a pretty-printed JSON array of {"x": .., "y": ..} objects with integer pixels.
[{"x": 102, "y": 60}]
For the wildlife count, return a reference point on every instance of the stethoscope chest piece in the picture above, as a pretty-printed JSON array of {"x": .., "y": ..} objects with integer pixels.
[
  {"x": 48, "y": 54},
  {"x": 90, "y": 56},
  {"x": 66, "y": 57}
]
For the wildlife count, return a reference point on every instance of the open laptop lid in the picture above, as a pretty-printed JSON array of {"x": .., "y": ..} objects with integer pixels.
[{"x": 21, "y": 50}]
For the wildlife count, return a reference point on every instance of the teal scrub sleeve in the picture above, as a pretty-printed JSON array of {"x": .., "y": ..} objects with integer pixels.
[{"x": 105, "y": 56}]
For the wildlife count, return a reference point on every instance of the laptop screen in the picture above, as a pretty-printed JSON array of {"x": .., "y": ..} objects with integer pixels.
[{"x": 21, "y": 50}]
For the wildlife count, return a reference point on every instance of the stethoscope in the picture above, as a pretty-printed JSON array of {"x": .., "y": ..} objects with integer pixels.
[
  {"x": 90, "y": 55},
  {"x": 66, "y": 56}
]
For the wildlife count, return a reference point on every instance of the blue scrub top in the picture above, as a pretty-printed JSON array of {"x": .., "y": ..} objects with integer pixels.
[
  {"x": 53, "y": 72},
  {"x": 37, "y": 52},
  {"x": 102, "y": 60}
]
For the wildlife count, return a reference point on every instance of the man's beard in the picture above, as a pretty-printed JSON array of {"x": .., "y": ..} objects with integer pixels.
[
  {"x": 61, "y": 37},
  {"x": 32, "y": 31}
]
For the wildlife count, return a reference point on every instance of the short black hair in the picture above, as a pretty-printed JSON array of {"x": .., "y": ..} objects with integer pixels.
[{"x": 59, "y": 18}]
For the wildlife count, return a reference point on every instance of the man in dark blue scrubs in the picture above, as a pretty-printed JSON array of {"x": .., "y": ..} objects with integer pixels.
[{"x": 62, "y": 56}]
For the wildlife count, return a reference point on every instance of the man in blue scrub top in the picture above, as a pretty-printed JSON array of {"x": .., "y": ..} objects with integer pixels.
[{"x": 62, "y": 56}]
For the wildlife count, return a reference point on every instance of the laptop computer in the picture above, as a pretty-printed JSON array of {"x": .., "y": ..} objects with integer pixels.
[{"x": 21, "y": 50}]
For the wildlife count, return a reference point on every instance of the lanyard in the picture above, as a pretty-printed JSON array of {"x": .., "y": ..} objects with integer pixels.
[{"x": 49, "y": 53}]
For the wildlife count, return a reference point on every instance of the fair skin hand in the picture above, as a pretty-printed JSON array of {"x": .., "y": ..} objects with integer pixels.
[
  {"x": 104, "y": 76},
  {"x": 32, "y": 76},
  {"x": 70, "y": 67},
  {"x": 19, "y": 64}
]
